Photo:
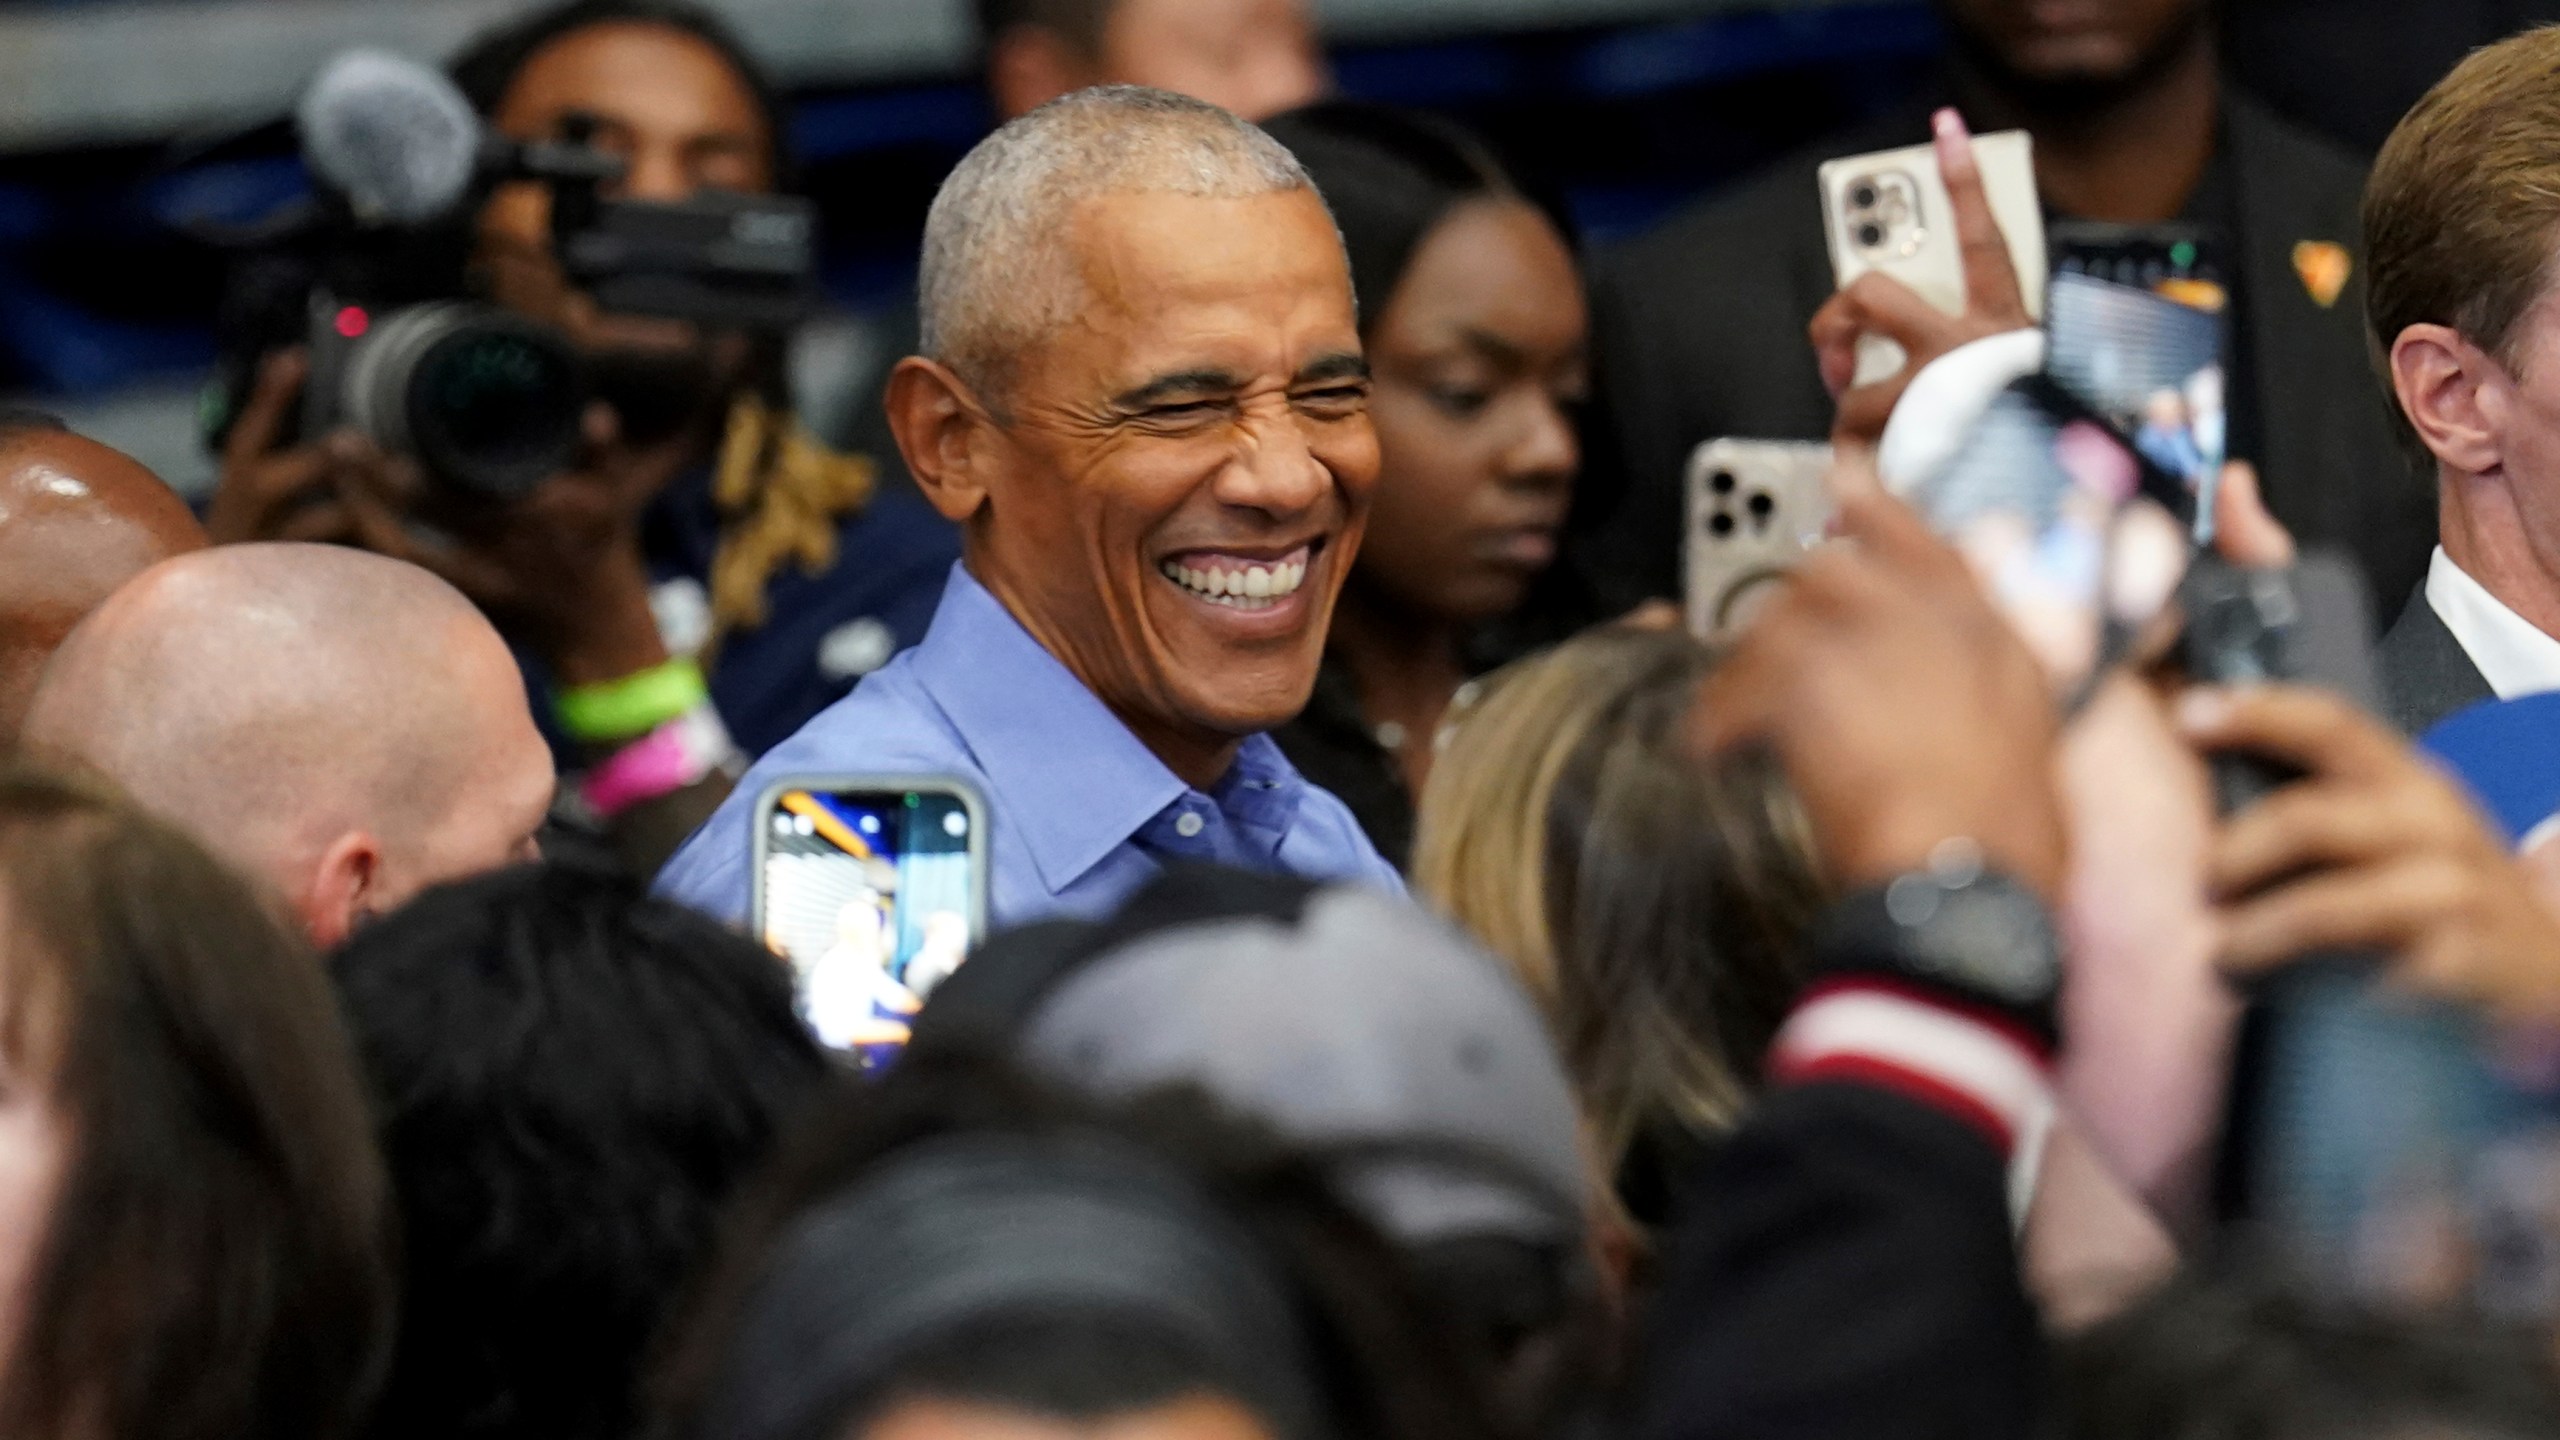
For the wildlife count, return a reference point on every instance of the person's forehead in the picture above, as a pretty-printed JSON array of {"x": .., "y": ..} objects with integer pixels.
[
  {"x": 1203, "y": 22},
  {"x": 635, "y": 72},
  {"x": 1495, "y": 266},
  {"x": 1173, "y": 271}
]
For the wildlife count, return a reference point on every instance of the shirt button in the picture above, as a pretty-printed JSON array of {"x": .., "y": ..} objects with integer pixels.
[{"x": 1188, "y": 825}]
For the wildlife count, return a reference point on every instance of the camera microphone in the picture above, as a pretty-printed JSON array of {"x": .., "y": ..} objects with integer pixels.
[{"x": 394, "y": 138}]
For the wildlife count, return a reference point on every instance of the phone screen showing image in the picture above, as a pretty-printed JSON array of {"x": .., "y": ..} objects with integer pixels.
[
  {"x": 2137, "y": 328},
  {"x": 2077, "y": 536},
  {"x": 871, "y": 895}
]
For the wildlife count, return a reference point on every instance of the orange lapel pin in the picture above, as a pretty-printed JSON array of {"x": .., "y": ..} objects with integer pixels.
[{"x": 2324, "y": 267}]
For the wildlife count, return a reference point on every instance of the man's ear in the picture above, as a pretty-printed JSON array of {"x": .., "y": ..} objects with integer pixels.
[
  {"x": 937, "y": 421},
  {"x": 2455, "y": 394},
  {"x": 344, "y": 887},
  {"x": 1030, "y": 65}
]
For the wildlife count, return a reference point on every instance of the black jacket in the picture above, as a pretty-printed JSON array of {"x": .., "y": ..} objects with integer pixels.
[
  {"x": 2426, "y": 675},
  {"x": 1700, "y": 333},
  {"x": 1844, "y": 1271}
]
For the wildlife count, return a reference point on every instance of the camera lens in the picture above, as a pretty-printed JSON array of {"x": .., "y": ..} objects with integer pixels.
[
  {"x": 490, "y": 403},
  {"x": 1720, "y": 524},
  {"x": 1871, "y": 235},
  {"x": 1862, "y": 196},
  {"x": 1721, "y": 482}
]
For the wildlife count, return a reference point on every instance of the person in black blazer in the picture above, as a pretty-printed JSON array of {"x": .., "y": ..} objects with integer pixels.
[
  {"x": 2459, "y": 222},
  {"x": 1699, "y": 326}
]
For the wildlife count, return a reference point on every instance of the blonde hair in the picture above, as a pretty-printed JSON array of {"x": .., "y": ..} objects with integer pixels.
[
  {"x": 781, "y": 494},
  {"x": 1653, "y": 902}
]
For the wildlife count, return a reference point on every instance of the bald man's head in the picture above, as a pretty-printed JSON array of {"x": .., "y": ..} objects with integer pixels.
[
  {"x": 77, "y": 519},
  {"x": 345, "y": 726}
]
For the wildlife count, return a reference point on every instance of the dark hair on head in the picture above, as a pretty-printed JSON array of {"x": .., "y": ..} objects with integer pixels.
[
  {"x": 487, "y": 68},
  {"x": 1380, "y": 1363},
  {"x": 1390, "y": 176},
  {"x": 216, "y": 1260},
  {"x": 569, "y": 1076},
  {"x": 1079, "y": 22},
  {"x": 2254, "y": 1353}
]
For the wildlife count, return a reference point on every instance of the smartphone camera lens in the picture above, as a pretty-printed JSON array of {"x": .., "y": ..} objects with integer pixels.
[
  {"x": 1721, "y": 482},
  {"x": 1862, "y": 196},
  {"x": 1870, "y": 234},
  {"x": 1720, "y": 524},
  {"x": 1762, "y": 506}
]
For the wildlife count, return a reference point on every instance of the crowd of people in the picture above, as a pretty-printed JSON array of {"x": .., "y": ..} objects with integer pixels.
[{"x": 1425, "y": 992}]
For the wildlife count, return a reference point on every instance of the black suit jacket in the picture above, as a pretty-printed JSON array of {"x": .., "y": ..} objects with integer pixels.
[
  {"x": 1700, "y": 333},
  {"x": 2426, "y": 675}
]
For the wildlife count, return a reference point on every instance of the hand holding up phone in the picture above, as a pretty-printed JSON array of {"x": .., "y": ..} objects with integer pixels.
[
  {"x": 1904, "y": 709},
  {"x": 1876, "y": 304},
  {"x": 2374, "y": 848}
]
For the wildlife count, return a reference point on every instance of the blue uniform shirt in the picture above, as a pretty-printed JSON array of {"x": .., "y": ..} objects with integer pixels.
[{"x": 1080, "y": 813}]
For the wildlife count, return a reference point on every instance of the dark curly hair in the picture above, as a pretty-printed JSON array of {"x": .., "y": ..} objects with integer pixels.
[{"x": 569, "y": 1078}]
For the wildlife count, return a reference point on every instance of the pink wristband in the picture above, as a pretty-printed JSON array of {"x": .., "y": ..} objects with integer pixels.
[{"x": 667, "y": 759}]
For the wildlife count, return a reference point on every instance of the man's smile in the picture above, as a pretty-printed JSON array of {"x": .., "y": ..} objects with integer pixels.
[{"x": 1239, "y": 580}]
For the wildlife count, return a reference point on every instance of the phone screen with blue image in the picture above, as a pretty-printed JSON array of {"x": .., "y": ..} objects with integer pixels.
[
  {"x": 874, "y": 895},
  {"x": 2137, "y": 327}
]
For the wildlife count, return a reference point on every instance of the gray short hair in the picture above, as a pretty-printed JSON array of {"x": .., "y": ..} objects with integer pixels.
[{"x": 998, "y": 276}]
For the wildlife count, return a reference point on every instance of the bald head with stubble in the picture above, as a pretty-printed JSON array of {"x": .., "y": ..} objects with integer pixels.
[{"x": 345, "y": 727}]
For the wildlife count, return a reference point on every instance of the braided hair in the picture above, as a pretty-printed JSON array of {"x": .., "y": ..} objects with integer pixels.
[{"x": 781, "y": 492}]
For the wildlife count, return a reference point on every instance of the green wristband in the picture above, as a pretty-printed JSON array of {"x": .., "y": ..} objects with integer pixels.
[{"x": 636, "y": 704}]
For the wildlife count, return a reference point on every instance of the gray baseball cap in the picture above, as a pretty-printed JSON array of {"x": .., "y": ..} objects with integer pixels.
[{"x": 1372, "y": 1034}]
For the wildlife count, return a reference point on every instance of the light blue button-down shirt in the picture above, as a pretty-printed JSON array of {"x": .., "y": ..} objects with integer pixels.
[{"x": 1080, "y": 813}]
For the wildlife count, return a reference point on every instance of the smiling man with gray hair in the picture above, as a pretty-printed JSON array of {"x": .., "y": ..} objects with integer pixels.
[{"x": 1143, "y": 399}]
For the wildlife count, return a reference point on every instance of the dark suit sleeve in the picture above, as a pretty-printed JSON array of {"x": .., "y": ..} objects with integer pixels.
[{"x": 1843, "y": 1267}]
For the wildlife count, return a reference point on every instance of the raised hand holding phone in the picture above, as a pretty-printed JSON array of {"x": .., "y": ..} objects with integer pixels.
[{"x": 2002, "y": 277}]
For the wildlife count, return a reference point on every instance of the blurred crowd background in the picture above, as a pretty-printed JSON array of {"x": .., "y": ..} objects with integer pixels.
[{"x": 141, "y": 139}]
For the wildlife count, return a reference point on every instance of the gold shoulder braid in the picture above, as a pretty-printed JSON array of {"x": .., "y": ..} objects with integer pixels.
[{"x": 781, "y": 492}]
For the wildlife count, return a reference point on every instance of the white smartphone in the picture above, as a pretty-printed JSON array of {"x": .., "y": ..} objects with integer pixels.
[
  {"x": 1889, "y": 212},
  {"x": 1755, "y": 508},
  {"x": 874, "y": 888}
]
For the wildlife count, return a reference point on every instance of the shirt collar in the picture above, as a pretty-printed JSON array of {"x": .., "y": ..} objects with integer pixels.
[
  {"x": 2511, "y": 653},
  {"x": 1066, "y": 775}
]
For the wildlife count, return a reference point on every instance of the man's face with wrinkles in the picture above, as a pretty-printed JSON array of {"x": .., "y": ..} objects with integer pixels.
[{"x": 1185, "y": 466}]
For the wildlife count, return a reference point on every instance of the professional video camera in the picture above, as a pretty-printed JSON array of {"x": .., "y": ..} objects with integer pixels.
[{"x": 490, "y": 402}]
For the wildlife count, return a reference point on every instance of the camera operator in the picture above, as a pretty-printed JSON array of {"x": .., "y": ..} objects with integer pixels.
[{"x": 705, "y": 569}]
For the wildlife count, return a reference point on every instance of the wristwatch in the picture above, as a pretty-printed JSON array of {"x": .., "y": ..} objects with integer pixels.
[{"x": 1956, "y": 928}]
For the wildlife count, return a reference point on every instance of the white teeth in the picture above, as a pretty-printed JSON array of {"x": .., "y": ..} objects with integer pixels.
[{"x": 1250, "y": 587}]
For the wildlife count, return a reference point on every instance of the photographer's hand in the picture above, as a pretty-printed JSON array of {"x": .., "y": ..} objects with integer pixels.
[
  {"x": 272, "y": 489},
  {"x": 1904, "y": 709},
  {"x": 561, "y": 568},
  {"x": 2374, "y": 848},
  {"x": 1875, "y": 303}
]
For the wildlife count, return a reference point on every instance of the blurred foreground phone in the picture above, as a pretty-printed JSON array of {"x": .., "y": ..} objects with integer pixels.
[
  {"x": 874, "y": 888},
  {"x": 2078, "y": 537},
  {"x": 2388, "y": 1147},
  {"x": 1889, "y": 212},
  {"x": 2137, "y": 326},
  {"x": 1755, "y": 507}
]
